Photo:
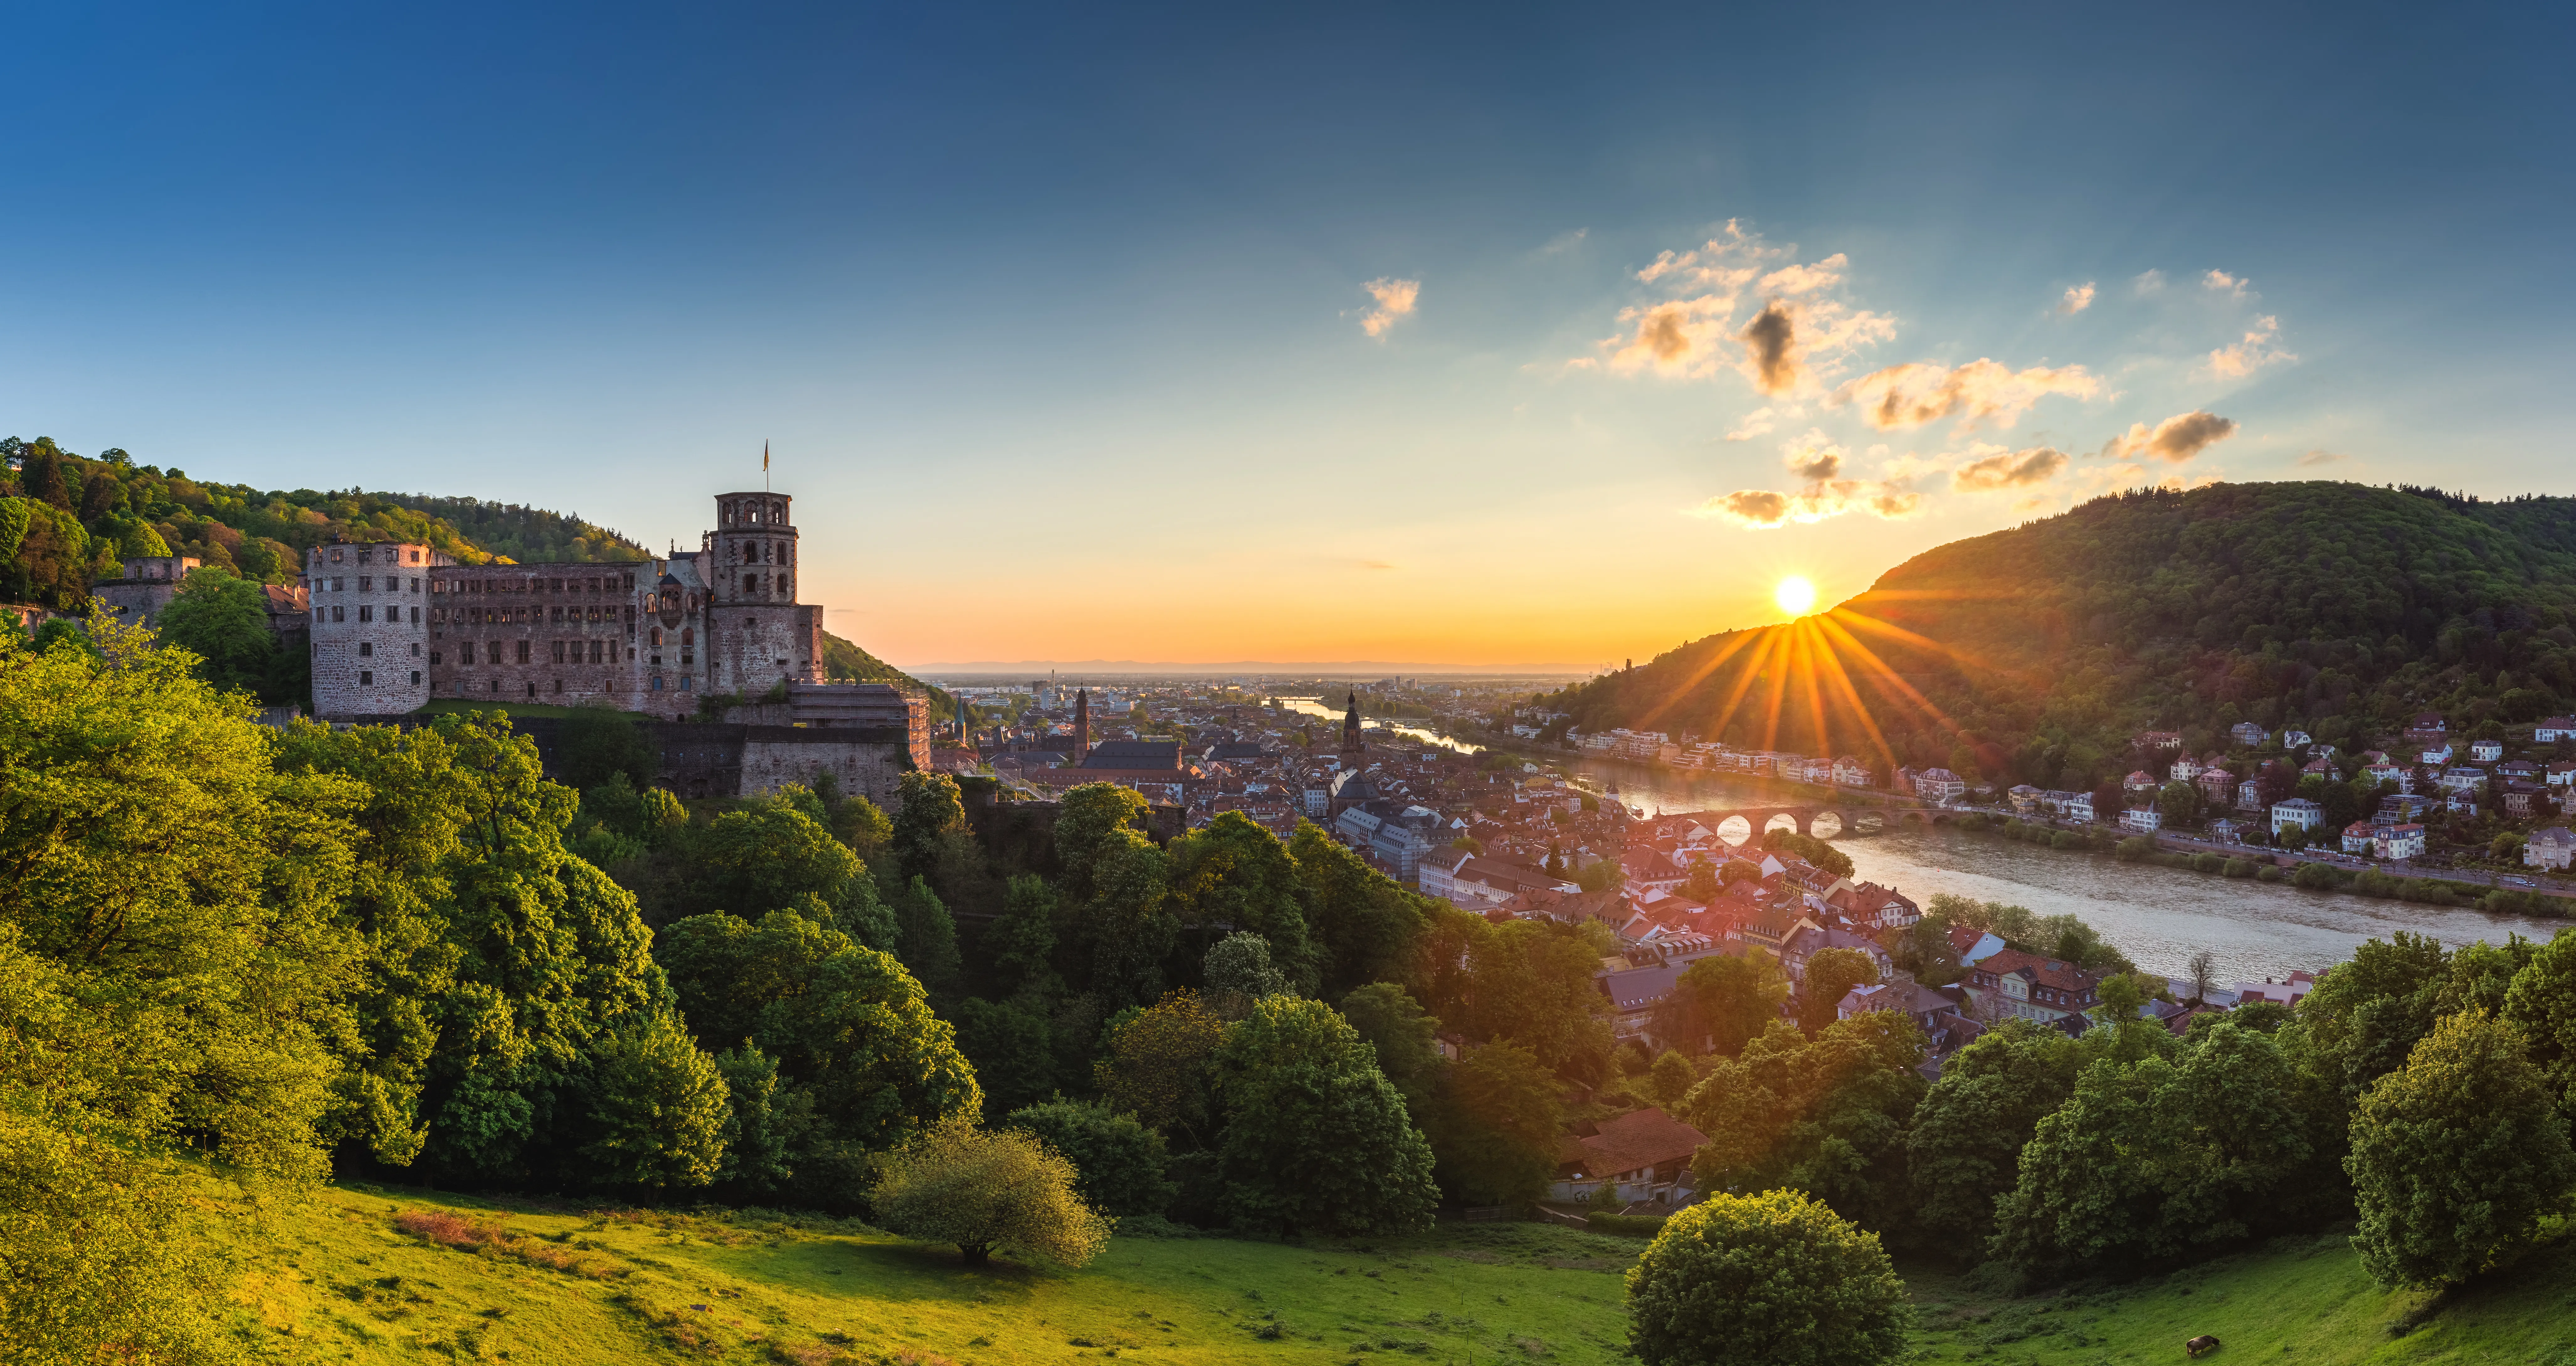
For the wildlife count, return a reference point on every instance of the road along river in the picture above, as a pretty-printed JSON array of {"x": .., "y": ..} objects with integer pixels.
[{"x": 2159, "y": 916}]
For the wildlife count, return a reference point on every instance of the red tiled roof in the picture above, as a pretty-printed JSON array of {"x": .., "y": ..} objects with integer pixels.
[{"x": 1633, "y": 1142}]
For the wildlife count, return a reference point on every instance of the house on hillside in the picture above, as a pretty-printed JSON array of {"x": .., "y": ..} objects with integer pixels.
[
  {"x": 1939, "y": 785},
  {"x": 2427, "y": 727},
  {"x": 2553, "y": 849},
  {"x": 2297, "y": 813},
  {"x": 2139, "y": 783},
  {"x": 2485, "y": 751},
  {"x": 2397, "y": 842},
  {"x": 2554, "y": 729},
  {"x": 2141, "y": 820},
  {"x": 2246, "y": 733},
  {"x": 2360, "y": 837},
  {"x": 1642, "y": 1155},
  {"x": 2019, "y": 984}
]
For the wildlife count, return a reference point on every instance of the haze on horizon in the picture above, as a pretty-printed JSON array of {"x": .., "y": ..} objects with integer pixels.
[{"x": 1510, "y": 340}]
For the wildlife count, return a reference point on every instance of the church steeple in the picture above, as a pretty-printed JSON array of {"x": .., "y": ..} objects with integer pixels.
[
  {"x": 1351, "y": 742},
  {"x": 1081, "y": 726}
]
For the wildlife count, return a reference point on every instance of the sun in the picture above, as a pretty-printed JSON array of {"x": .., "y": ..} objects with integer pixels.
[{"x": 1795, "y": 595}]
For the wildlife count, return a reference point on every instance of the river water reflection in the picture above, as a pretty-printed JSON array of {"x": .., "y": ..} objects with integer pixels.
[
  {"x": 2159, "y": 916},
  {"x": 1314, "y": 706}
]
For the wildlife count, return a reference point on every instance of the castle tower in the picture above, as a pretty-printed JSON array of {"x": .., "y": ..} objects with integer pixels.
[
  {"x": 370, "y": 635},
  {"x": 1081, "y": 726},
  {"x": 1352, "y": 744},
  {"x": 757, "y": 634}
]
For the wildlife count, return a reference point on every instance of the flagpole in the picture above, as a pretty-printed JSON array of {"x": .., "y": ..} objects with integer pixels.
[{"x": 764, "y": 467}]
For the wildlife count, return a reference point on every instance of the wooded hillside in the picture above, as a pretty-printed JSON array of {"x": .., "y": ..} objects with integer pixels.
[{"x": 2035, "y": 654}]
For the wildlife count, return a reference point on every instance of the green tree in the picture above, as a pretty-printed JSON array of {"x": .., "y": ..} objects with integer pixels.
[
  {"x": 1406, "y": 1039},
  {"x": 927, "y": 936},
  {"x": 769, "y": 856},
  {"x": 1121, "y": 1162},
  {"x": 1316, "y": 1138},
  {"x": 928, "y": 810},
  {"x": 2457, "y": 1157},
  {"x": 1232, "y": 877},
  {"x": 1774, "y": 1278},
  {"x": 1019, "y": 946},
  {"x": 1830, "y": 975},
  {"x": 2152, "y": 1160},
  {"x": 987, "y": 1189},
  {"x": 2179, "y": 803},
  {"x": 1012, "y": 1045},
  {"x": 1825, "y": 1115},
  {"x": 223, "y": 620},
  {"x": 658, "y": 1108},
  {"x": 2363, "y": 1018},
  {"x": 1701, "y": 883},
  {"x": 2541, "y": 1002},
  {"x": 1721, "y": 1002},
  {"x": 1238, "y": 972},
  {"x": 1161, "y": 1064},
  {"x": 1363, "y": 926},
  {"x": 1497, "y": 1128},
  {"x": 598, "y": 740},
  {"x": 1968, "y": 1134},
  {"x": 1671, "y": 1079}
]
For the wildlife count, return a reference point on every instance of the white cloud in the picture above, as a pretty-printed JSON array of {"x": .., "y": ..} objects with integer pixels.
[
  {"x": 2078, "y": 298},
  {"x": 1564, "y": 241},
  {"x": 1823, "y": 494},
  {"x": 1796, "y": 279},
  {"x": 1802, "y": 330},
  {"x": 2009, "y": 470},
  {"x": 2177, "y": 438},
  {"x": 2148, "y": 282},
  {"x": 1395, "y": 299},
  {"x": 2224, "y": 283},
  {"x": 1761, "y": 420},
  {"x": 1918, "y": 392},
  {"x": 2319, "y": 456},
  {"x": 2261, "y": 346}
]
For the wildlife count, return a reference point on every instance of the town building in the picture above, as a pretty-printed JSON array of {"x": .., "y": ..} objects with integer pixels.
[
  {"x": 2019, "y": 984},
  {"x": 2553, "y": 849},
  {"x": 2297, "y": 813}
]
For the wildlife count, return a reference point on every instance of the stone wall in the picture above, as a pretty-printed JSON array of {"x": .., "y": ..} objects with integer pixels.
[
  {"x": 552, "y": 633},
  {"x": 369, "y": 628}
]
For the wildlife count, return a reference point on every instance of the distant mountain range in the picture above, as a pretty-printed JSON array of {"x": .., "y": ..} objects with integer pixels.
[
  {"x": 1327, "y": 668},
  {"x": 2037, "y": 654}
]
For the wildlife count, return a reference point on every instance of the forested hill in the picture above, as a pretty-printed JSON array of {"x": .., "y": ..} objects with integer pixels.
[
  {"x": 2035, "y": 654},
  {"x": 70, "y": 520}
]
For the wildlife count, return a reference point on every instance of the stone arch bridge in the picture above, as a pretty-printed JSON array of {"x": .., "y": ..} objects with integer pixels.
[{"x": 1836, "y": 819}]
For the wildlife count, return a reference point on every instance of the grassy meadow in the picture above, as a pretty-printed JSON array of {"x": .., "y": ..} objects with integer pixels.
[{"x": 381, "y": 1275}]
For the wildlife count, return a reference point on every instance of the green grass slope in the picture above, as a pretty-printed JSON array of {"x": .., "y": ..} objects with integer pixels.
[
  {"x": 341, "y": 1278},
  {"x": 2298, "y": 1300},
  {"x": 345, "y": 1283}
]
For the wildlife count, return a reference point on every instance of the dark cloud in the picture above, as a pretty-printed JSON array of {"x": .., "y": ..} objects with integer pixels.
[
  {"x": 2177, "y": 438},
  {"x": 1753, "y": 507},
  {"x": 1770, "y": 342}
]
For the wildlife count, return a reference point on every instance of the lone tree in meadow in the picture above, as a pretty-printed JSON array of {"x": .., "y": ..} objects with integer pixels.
[
  {"x": 2456, "y": 1157},
  {"x": 985, "y": 1189},
  {"x": 1774, "y": 1278}
]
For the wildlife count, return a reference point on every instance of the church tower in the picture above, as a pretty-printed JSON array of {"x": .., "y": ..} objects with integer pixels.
[
  {"x": 1081, "y": 726},
  {"x": 1352, "y": 744}
]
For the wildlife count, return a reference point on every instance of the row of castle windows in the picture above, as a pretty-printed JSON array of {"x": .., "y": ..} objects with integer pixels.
[
  {"x": 367, "y": 678},
  {"x": 751, "y": 584},
  {"x": 337, "y": 613},
  {"x": 367, "y": 650},
  {"x": 495, "y": 685},
  {"x": 612, "y": 583},
  {"x": 551, "y": 616},
  {"x": 754, "y": 511},
  {"x": 566, "y": 652},
  {"x": 768, "y": 552},
  {"x": 366, "y": 584},
  {"x": 394, "y": 554}
]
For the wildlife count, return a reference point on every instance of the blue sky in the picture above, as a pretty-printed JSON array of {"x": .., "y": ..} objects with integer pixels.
[{"x": 1060, "y": 320}]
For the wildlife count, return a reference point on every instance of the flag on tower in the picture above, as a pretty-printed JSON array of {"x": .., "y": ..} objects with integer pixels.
[{"x": 764, "y": 457}]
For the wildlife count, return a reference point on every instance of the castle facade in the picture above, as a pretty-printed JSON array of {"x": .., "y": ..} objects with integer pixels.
[{"x": 397, "y": 626}]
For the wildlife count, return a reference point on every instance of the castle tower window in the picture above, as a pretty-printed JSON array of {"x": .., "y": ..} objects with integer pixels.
[
  {"x": 415, "y": 585},
  {"x": 415, "y": 649},
  {"x": 415, "y": 616},
  {"x": 365, "y": 555},
  {"x": 365, "y": 584},
  {"x": 337, "y": 613},
  {"x": 335, "y": 554},
  {"x": 523, "y": 652},
  {"x": 415, "y": 678},
  {"x": 415, "y": 559},
  {"x": 366, "y": 678}
]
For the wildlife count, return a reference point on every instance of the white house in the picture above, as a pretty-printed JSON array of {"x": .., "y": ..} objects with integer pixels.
[
  {"x": 2359, "y": 837},
  {"x": 2485, "y": 751},
  {"x": 1939, "y": 785},
  {"x": 2396, "y": 842},
  {"x": 2298, "y": 813},
  {"x": 2143, "y": 819},
  {"x": 2553, "y": 849},
  {"x": 2554, "y": 729}
]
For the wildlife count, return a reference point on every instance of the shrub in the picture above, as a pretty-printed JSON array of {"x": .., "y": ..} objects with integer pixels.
[
  {"x": 2317, "y": 877},
  {"x": 2134, "y": 848},
  {"x": 2065, "y": 839},
  {"x": 2267, "y": 873},
  {"x": 1626, "y": 1225},
  {"x": 2238, "y": 867},
  {"x": 1774, "y": 1277},
  {"x": 956, "y": 1183},
  {"x": 2209, "y": 863}
]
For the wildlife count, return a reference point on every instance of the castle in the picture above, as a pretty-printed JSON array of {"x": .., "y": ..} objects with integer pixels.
[{"x": 393, "y": 627}]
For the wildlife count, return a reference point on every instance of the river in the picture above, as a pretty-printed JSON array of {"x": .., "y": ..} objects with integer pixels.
[
  {"x": 1314, "y": 706},
  {"x": 2159, "y": 916}
]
